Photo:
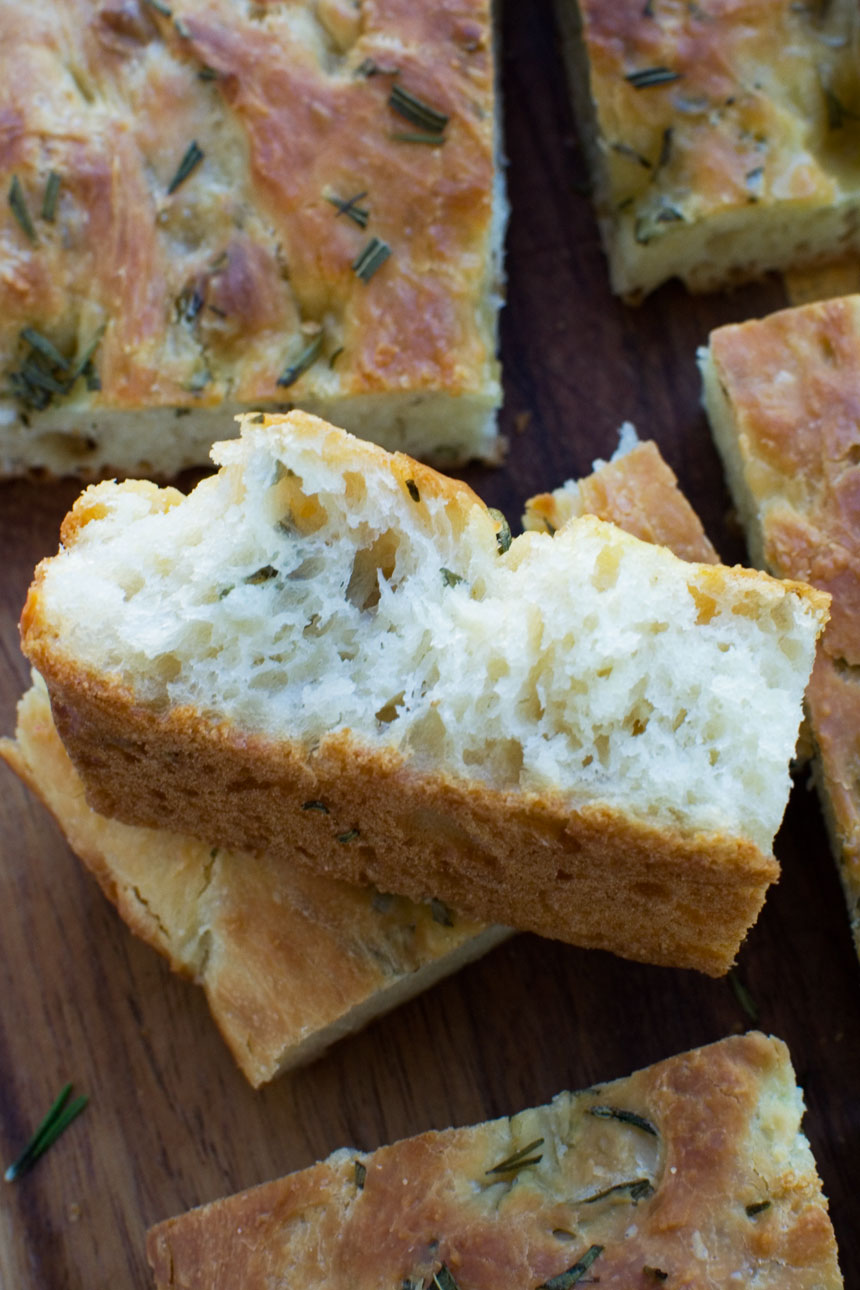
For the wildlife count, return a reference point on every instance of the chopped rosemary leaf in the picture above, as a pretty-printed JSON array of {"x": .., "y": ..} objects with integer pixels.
[
  {"x": 444, "y": 1280},
  {"x": 416, "y": 111},
  {"x": 86, "y": 357},
  {"x": 335, "y": 356},
  {"x": 407, "y": 136},
  {"x": 194, "y": 154},
  {"x": 503, "y": 536},
  {"x": 648, "y": 76},
  {"x": 49, "y": 201},
  {"x": 315, "y": 805},
  {"x": 160, "y": 7},
  {"x": 638, "y": 1189},
  {"x": 306, "y": 359},
  {"x": 550, "y": 528},
  {"x": 265, "y": 574},
  {"x": 347, "y": 206},
  {"x": 18, "y": 203},
  {"x": 349, "y": 836},
  {"x": 743, "y": 996},
  {"x": 624, "y": 150},
  {"x": 43, "y": 380},
  {"x": 208, "y": 73},
  {"x": 55, "y": 1122},
  {"x": 369, "y": 67},
  {"x": 657, "y": 1273},
  {"x": 371, "y": 258},
  {"x": 36, "y": 340},
  {"x": 519, "y": 1160},
  {"x": 181, "y": 29},
  {"x": 441, "y": 913},
  {"x": 412, "y": 490},
  {"x": 626, "y": 1117},
  {"x": 665, "y": 148},
  {"x": 360, "y": 1174},
  {"x": 758, "y": 1208},
  {"x": 574, "y": 1274},
  {"x": 450, "y": 578}
]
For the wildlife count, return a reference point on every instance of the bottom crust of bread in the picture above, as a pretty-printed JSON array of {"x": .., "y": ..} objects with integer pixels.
[{"x": 594, "y": 877}]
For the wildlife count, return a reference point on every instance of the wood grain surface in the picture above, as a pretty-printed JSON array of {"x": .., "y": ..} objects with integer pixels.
[{"x": 171, "y": 1122}]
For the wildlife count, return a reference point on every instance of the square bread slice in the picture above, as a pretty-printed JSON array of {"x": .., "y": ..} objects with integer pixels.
[
  {"x": 291, "y": 961},
  {"x": 722, "y": 139},
  {"x": 215, "y": 205},
  {"x": 783, "y": 399},
  {"x": 333, "y": 654},
  {"x": 692, "y": 1172}
]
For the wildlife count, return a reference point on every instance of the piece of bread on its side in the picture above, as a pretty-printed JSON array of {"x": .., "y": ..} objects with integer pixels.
[
  {"x": 783, "y": 398},
  {"x": 721, "y": 140},
  {"x": 216, "y": 205},
  {"x": 691, "y": 1172},
  {"x": 578, "y": 735},
  {"x": 291, "y": 961}
]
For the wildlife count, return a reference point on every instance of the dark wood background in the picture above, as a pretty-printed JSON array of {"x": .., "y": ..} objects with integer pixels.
[{"x": 171, "y": 1122}]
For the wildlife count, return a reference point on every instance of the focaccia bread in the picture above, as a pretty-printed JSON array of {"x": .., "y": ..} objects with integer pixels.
[
  {"x": 693, "y": 1172},
  {"x": 291, "y": 961},
  {"x": 215, "y": 205},
  {"x": 783, "y": 399},
  {"x": 331, "y": 653},
  {"x": 721, "y": 138},
  {"x": 637, "y": 490}
]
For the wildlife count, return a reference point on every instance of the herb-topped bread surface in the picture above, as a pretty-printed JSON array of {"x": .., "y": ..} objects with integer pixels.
[
  {"x": 580, "y": 735},
  {"x": 290, "y": 960},
  {"x": 693, "y": 1173},
  {"x": 722, "y": 137},
  {"x": 783, "y": 399},
  {"x": 213, "y": 205}
]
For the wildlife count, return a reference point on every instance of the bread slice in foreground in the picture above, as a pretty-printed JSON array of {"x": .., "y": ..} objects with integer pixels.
[
  {"x": 782, "y": 398},
  {"x": 692, "y": 1172},
  {"x": 333, "y": 654},
  {"x": 290, "y": 961},
  {"x": 216, "y": 205},
  {"x": 720, "y": 139}
]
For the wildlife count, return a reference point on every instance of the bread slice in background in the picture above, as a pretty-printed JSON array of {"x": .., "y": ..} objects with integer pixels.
[
  {"x": 211, "y": 189},
  {"x": 721, "y": 142},
  {"x": 579, "y": 735},
  {"x": 783, "y": 399},
  {"x": 693, "y": 1171},
  {"x": 291, "y": 961}
]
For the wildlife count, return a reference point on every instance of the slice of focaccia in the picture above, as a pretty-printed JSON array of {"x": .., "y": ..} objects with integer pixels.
[
  {"x": 692, "y": 1172},
  {"x": 332, "y": 654},
  {"x": 214, "y": 205},
  {"x": 782, "y": 398},
  {"x": 290, "y": 961},
  {"x": 721, "y": 138}
]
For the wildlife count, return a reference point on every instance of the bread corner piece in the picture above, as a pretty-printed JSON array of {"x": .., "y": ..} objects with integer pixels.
[
  {"x": 781, "y": 397},
  {"x": 694, "y": 1168},
  {"x": 333, "y": 653},
  {"x": 217, "y": 207},
  {"x": 721, "y": 143}
]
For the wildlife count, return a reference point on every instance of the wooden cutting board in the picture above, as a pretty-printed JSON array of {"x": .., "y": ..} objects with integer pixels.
[{"x": 171, "y": 1122}]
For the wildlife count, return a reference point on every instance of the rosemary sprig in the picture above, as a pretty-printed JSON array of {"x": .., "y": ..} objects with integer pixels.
[
  {"x": 413, "y": 136},
  {"x": 347, "y": 206},
  {"x": 574, "y": 1274},
  {"x": 52, "y": 192},
  {"x": 194, "y": 154},
  {"x": 647, "y": 77},
  {"x": 18, "y": 203},
  {"x": 306, "y": 359},
  {"x": 626, "y": 1117},
  {"x": 55, "y": 1122},
  {"x": 520, "y": 1159},
  {"x": 416, "y": 111},
  {"x": 371, "y": 258}
]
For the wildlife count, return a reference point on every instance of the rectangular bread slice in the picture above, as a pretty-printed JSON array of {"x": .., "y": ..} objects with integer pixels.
[
  {"x": 692, "y": 1172},
  {"x": 330, "y": 652},
  {"x": 291, "y": 961},
  {"x": 782, "y": 399},
  {"x": 721, "y": 139},
  {"x": 216, "y": 205}
]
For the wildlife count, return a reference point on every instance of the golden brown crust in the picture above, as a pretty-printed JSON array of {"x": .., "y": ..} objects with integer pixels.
[
  {"x": 289, "y": 961},
  {"x": 792, "y": 436},
  {"x": 208, "y": 294},
  {"x": 725, "y": 1121}
]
